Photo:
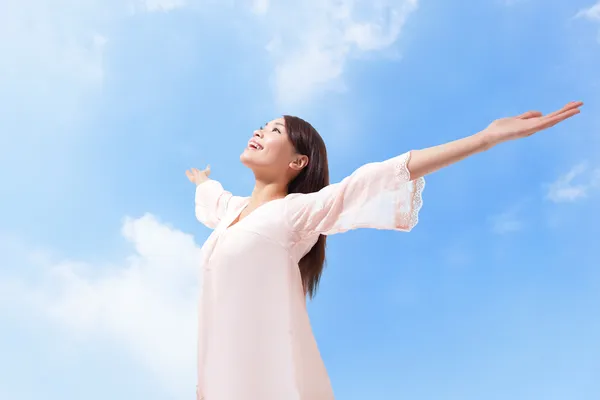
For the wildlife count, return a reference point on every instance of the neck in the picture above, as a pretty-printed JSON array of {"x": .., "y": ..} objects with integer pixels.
[{"x": 266, "y": 191}]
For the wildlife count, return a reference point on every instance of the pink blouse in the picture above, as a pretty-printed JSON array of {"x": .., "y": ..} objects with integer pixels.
[{"x": 255, "y": 339}]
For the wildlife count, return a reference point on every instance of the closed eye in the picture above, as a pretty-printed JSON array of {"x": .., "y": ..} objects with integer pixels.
[{"x": 274, "y": 129}]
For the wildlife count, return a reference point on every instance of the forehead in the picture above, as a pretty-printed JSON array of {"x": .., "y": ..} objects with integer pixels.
[{"x": 280, "y": 122}]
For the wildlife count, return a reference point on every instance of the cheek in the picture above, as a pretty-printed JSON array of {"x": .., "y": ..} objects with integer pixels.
[{"x": 276, "y": 152}]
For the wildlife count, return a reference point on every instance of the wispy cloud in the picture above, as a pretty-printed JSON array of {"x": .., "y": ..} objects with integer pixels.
[
  {"x": 162, "y": 5},
  {"x": 149, "y": 297},
  {"x": 565, "y": 189},
  {"x": 511, "y": 2},
  {"x": 260, "y": 6},
  {"x": 52, "y": 58},
  {"x": 507, "y": 222},
  {"x": 458, "y": 254},
  {"x": 311, "y": 52},
  {"x": 591, "y": 13}
]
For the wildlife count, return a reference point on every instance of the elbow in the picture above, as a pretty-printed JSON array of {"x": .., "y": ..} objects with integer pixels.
[{"x": 204, "y": 218}]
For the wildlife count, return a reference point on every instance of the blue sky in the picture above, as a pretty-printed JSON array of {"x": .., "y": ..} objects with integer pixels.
[{"x": 494, "y": 295}]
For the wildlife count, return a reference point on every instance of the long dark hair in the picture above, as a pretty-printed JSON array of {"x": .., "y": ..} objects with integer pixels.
[{"x": 312, "y": 178}]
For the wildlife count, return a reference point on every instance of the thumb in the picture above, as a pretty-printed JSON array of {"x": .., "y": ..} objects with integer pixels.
[
  {"x": 530, "y": 114},
  {"x": 207, "y": 170}
]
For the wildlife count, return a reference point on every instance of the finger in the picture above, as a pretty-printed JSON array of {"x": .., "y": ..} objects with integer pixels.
[
  {"x": 568, "y": 107},
  {"x": 530, "y": 114},
  {"x": 207, "y": 170},
  {"x": 562, "y": 110},
  {"x": 549, "y": 122},
  {"x": 561, "y": 116}
]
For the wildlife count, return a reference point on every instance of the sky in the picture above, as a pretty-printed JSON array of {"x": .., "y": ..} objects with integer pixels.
[{"x": 104, "y": 105}]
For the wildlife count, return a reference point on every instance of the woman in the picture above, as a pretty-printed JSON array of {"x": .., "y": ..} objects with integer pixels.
[{"x": 266, "y": 252}]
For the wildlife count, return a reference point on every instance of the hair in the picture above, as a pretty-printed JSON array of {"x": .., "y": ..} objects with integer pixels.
[{"x": 313, "y": 177}]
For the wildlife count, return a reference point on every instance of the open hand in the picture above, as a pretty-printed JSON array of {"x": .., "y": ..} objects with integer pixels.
[
  {"x": 527, "y": 124},
  {"x": 196, "y": 176}
]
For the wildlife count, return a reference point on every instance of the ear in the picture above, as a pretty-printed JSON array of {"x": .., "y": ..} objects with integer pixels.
[{"x": 300, "y": 161}]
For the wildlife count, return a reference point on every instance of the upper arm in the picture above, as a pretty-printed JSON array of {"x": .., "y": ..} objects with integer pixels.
[
  {"x": 377, "y": 195},
  {"x": 212, "y": 202}
]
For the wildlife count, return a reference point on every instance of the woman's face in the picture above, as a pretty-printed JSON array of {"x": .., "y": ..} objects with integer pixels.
[{"x": 270, "y": 152}]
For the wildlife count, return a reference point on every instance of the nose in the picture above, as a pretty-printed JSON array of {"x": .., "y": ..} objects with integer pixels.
[{"x": 258, "y": 133}]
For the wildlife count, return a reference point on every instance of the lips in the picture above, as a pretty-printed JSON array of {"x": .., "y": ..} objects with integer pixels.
[{"x": 254, "y": 145}]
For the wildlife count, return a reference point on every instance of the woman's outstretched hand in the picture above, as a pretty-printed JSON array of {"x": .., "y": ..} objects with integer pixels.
[
  {"x": 527, "y": 124},
  {"x": 196, "y": 176}
]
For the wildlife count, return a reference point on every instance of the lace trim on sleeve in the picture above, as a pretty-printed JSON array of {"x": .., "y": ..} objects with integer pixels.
[{"x": 407, "y": 221}]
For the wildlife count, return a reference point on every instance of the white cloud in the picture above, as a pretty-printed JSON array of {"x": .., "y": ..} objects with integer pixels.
[
  {"x": 510, "y": 3},
  {"x": 147, "y": 302},
  {"x": 44, "y": 48},
  {"x": 162, "y": 5},
  {"x": 509, "y": 221},
  {"x": 53, "y": 59},
  {"x": 506, "y": 222},
  {"x": 592, "y": 13},
  {"x": 565, "y": 190},
  {"x": 458, "y": 254},
  {"x": 313, "y": 40},
  {"x": 52, "y": 53},
  {"x": 260, "y": 6}
]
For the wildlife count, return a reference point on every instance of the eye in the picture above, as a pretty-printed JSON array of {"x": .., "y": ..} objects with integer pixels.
[{"x": 276, "y": 130}]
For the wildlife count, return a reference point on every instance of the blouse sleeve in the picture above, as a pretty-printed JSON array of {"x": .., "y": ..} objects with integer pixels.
[
  {"x": 212, "y": 202},
  {"x": 377, "y": 195}
]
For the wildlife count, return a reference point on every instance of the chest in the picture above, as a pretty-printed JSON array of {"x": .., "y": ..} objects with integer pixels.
[{"x": 238, "y": 233}]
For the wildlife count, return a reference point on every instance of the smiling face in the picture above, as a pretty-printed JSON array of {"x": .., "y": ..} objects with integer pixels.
[{"x": 271, "y": 155}]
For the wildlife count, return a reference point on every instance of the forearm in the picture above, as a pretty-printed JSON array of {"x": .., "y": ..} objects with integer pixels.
[{"x": 425, "y": 161}]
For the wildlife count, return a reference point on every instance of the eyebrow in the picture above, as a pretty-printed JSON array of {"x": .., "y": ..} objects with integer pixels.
[{"x": 279, "y": 123}]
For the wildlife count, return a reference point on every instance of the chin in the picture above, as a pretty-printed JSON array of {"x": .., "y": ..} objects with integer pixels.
[
  {"x": 244, "y": 158},
  {"x": 255, "y": 161},
  {"x": 248, "y": 159}
]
